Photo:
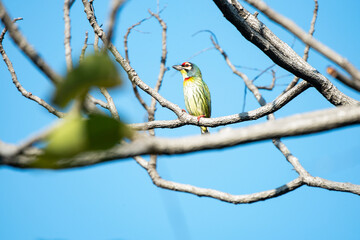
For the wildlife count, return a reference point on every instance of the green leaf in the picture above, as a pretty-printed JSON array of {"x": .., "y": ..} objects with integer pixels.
[
  {"x": 95, "y": 70},
  {"x": 67, "y": 139},
  {"x": 76, "y": 135}
]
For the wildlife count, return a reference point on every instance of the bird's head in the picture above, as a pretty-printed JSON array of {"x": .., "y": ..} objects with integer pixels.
[{"x": 188, "y": 69}]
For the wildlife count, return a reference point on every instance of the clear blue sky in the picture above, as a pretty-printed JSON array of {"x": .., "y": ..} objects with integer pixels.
[{"x": 117, "y": 200}]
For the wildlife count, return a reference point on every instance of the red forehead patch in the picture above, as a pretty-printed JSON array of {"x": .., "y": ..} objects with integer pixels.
[{"x": 184, "y": 63}]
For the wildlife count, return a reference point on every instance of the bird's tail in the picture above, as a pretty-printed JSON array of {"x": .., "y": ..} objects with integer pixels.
[{"x": 204, "y": 130}]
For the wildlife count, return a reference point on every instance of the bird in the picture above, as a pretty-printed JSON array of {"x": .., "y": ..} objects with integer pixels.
[{"x": 196, "y": 92}]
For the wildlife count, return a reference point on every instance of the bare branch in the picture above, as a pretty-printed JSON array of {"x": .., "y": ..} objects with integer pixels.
[
  {"x": 116, "y": 4},
  {"x": 84, "y": 47},
  {"x": 22, "y": 90},
  {"x": 96, "y": 43},
  {"x": 150, "y": 167},
  {"x": 111, "y": 104},
  {"x": 307, "y": 47},
  {"x": 22, "y": 43},
  {"x": 306, "y": 38},
  {"x": 246, "y": 80},
  {"x": 315, "y": 181},
  {"x": 290, "y": 158},
  {"x": 272, "y": 85},
  {"x": 331, "y": 185},
  {"x": 257, "y": 33},
  {"x": 296, "y": 125},
  {"x": 312, "y": 29},
  {"x": 126, "y": 36},
  {"x": 152, "y": 108},
  {"x": 29, "y": 51},
  {"x": 67, "y": 34},
  {"x": 353, "y": 83},
  {"x": 276, "y": 141},
  {"x": 262, "y": 71},
  {"x": 226, "y": 197},
  {"x": 271, "y": 107}
]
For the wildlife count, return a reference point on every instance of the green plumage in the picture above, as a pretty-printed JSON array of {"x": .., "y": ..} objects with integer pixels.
[{"x": 196, "y": 92}]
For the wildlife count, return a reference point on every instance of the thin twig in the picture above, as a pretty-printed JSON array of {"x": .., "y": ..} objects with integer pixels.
[
  {"x": 307, "y": 47},
  {"x": 83, "y": 50},
  {"x": 272, "y": 85},
  {"x": 111, "y": 104},
  {"x": 126, "y": 49},
  {"x": 342, "y": 78},
  {"x": 248, "y": 82},
  {"x": 98, "y": 102},
  {"x": 126, "y": 36},
  {"x": 116, "y": 4},
  {"x": 163, "y": 69},
  {"x": 199, "y": 52},
  {"x": 263, "y": 71}
]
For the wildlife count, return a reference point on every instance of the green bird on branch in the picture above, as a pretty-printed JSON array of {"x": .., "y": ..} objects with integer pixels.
[{"x": 196, "y": 92}]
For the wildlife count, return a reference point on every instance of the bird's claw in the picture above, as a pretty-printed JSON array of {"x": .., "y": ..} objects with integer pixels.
[{"x": 198, "y": 118}]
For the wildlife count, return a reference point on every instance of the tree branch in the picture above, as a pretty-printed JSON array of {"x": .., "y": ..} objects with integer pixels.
[
  {"x": 126, "y": 49},
  {"x": 111, "y": 104},
  {"x": 22, "y": 43},
  {"x": 306, "y": 38},
  {"x": 257, "y": 33},
  {"x": 271, "y": 107},
  {"x": 307, "y": 47},
  {"x": 116, "y": 4},
  {"x": 296, "y": 125},
  {"x": 152, "y": 108},
  {"x": 16, "y": 82},
  {"x": 83, "y": 49},
  {"x": 126, "y": 66},
  {"x": 272, "y": 85},
  {"x": 226, "y": 197},
  {"x": 342, "y": 78},
  {"x": 309, "y": 180},
  {"x": 29, "y": 51}
]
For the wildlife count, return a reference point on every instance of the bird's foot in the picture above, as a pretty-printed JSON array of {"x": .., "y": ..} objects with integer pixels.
[
  {"x": 183, "y": 110},
  {"x": 198, "y": 118}
]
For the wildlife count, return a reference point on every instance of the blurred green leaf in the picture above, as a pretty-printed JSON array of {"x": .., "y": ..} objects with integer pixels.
[
  {"x": 69, "y": 138},
  {"x": 95, "y": 70},
  {"x": 76, "y": 134},
  {"x": 104, "y": 132}
]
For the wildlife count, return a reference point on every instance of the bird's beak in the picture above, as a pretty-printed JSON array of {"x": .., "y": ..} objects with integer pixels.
[{"x": 178, "y": 67}]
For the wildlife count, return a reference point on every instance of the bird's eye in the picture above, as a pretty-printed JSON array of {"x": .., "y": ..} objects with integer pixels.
[{"x": 186, "y": 64}]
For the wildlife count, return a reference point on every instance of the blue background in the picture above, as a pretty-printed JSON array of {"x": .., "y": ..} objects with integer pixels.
[{"x": 117, "y": 200}]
